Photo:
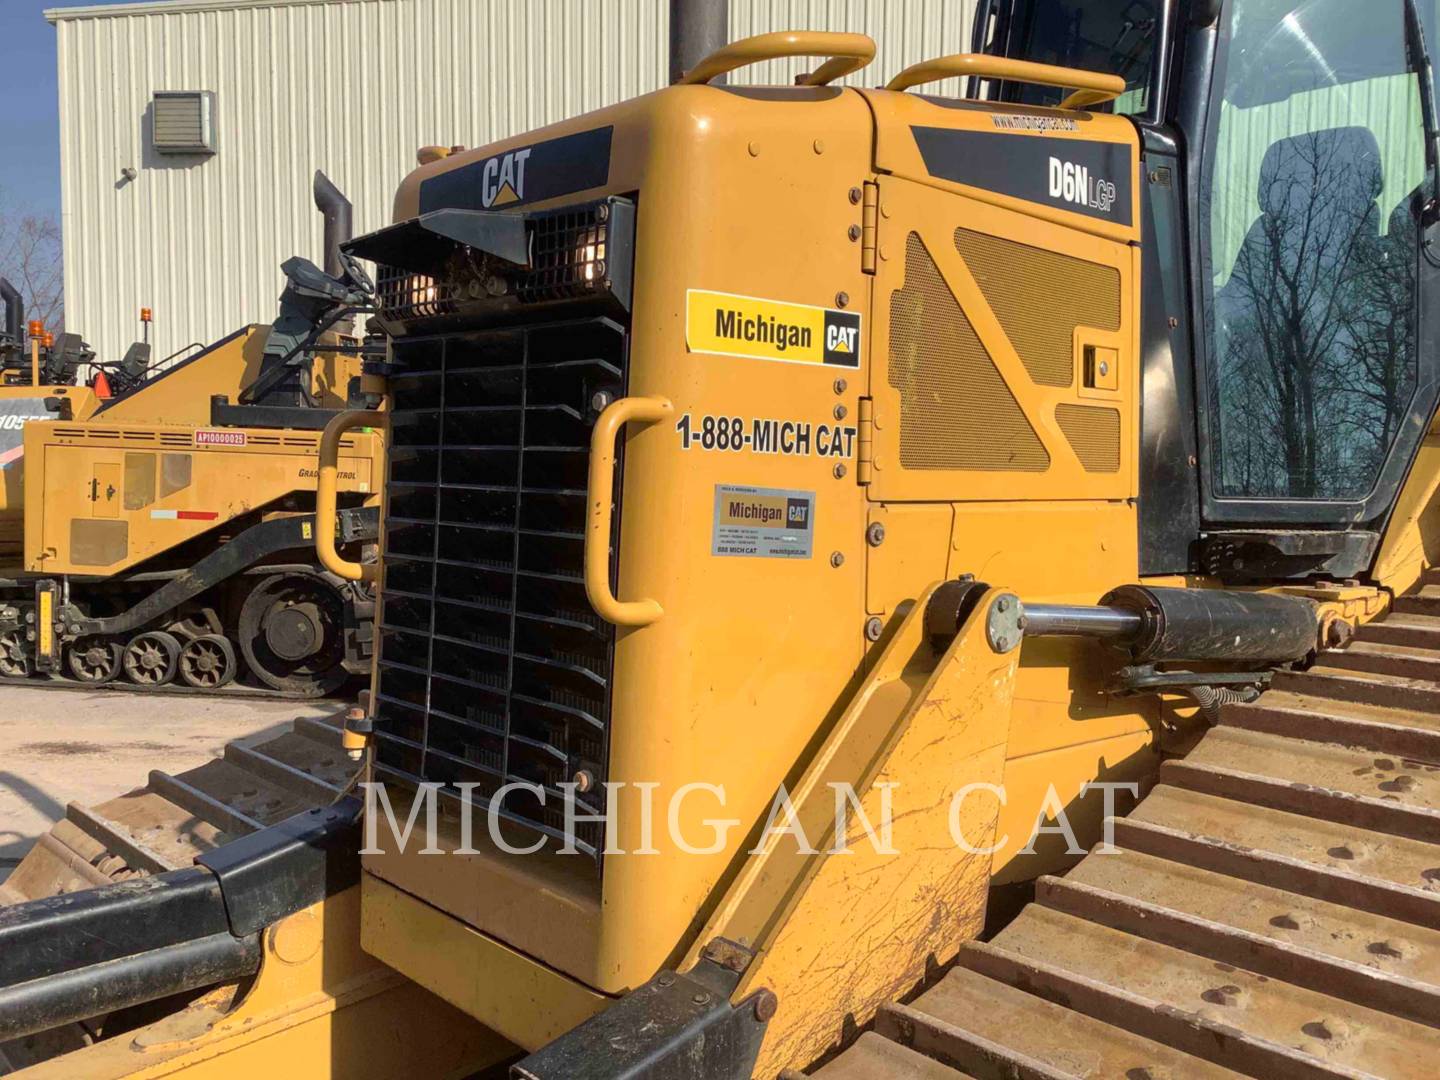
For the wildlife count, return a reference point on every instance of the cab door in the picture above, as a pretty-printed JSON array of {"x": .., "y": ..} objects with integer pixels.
[{"x": 1317, "y": 288}]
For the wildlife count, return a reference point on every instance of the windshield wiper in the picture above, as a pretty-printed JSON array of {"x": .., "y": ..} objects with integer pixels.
[{"x": 1425, "y": 72}]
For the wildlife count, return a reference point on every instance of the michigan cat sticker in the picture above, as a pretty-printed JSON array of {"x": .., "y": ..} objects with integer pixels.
[
  {"x": 763, "y": 523},
  {"x": 724, "y": 324}
]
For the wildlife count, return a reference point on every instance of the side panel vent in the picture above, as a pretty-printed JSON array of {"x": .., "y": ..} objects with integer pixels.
[
  {"x": 1040, "y": 298},
  {"x": 956, "y": 412},
  {"x": 1094, "y": 432}
]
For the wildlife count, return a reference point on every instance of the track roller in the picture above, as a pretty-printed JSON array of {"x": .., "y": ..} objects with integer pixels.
[
  {"x": 207, "y": 662},
  {"x": 15, "y": 658},
  {"x": 151, "y": 659},
  {"x": 95, "y": 660}
]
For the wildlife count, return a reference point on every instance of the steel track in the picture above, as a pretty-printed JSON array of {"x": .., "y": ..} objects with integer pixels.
[{"x": 1273, "y": 909}]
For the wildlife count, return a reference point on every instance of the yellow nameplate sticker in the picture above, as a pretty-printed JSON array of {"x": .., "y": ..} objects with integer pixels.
[{"x": 724, "y": 324}]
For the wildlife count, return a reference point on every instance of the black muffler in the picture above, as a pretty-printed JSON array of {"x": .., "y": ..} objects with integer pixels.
[
  {"x": 697, "y": 29},
  {"x": 339, "y": 221}
]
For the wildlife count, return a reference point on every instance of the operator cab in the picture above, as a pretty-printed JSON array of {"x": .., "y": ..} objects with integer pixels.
[
  {"x": 1290, "y": 367},
  {"x": 1117, "y": 37}
]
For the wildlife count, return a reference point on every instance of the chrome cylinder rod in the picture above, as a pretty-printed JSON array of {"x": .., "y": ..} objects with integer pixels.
[{"x": 1047, "y": 620}]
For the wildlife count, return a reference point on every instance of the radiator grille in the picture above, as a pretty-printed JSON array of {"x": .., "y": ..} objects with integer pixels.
[
  {"x": 1094, "y": 432},
  {"x": 956, "y": 412},
  {"x": 493, "y": 668},
  {"x": 1040, "y": 298}
]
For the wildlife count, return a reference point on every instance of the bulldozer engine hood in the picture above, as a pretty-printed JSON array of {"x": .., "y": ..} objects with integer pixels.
[{"x": 744, "y": 262}]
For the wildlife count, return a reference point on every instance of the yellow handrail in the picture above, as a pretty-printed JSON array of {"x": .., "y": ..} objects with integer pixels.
[
  {"x": 325, "y": 495},
  {"x": 598, "y": 509},
  {"x": 1091, "y": 87},
  {"x": 845, "y": 52}
]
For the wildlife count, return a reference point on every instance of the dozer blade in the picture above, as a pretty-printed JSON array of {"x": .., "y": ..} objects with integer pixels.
[
  {"x": 268, "y": 922},
  {"x": 1272, "y": 908},
  {"x": 172, "y": 819}
]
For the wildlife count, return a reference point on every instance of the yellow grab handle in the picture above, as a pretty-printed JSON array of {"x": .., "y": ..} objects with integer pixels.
[
  {"x": 601, "y": 493},
  {"x": 1091, "y": 87},
  {"x": 845, "y": 52},
  {"x": 325, "y": 495}
]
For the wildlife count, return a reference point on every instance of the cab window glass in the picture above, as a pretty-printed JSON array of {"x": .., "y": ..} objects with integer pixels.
[
  {"x": 1116, "y": 38},
  {"x": 1316, "y": 176}
]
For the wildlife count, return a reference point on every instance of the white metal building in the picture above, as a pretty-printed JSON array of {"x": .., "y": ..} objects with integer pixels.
[{"x": 353, "y": 87}]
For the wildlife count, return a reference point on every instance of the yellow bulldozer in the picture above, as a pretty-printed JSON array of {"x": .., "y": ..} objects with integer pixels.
[
  {"x": 156, "y": 521},
  {"x": 814, "y": 517}
]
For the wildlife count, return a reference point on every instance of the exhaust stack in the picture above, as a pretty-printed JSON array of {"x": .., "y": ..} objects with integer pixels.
[
  {"x": 339, "y": 221},
  {"x": 697, "y": 29}
]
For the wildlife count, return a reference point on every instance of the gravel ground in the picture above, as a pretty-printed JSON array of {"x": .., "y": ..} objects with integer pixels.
[{"x": 61, "y": 746}]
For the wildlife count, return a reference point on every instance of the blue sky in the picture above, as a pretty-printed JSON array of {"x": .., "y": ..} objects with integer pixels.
[{"x": 30, "y": 124}]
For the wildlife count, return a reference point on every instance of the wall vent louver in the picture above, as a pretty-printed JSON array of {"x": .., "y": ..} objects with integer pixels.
[{"x": 183, "y": 122}]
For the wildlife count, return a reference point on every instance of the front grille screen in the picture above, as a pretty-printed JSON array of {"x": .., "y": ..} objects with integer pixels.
[
  {"x": 569, "y": 254},
  {"x": 574, "y": 253},
  {"x": 493, "y": 667}
]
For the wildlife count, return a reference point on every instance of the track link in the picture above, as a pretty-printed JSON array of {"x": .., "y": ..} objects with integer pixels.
[
  {"x": 172, "y": 819},
  {"x": 172, "y": 689},
  {"x": 1271, "y": 909}
]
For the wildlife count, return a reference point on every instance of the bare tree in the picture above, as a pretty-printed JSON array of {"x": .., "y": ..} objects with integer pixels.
[
  {"x": 1380, "y": 319},
  {"x": 30, "y": 256},
  {"x": 1316, "y": 365}
]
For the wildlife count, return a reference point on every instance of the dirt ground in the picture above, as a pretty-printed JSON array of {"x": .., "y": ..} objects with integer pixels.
[{"x": 59, "y": 746}]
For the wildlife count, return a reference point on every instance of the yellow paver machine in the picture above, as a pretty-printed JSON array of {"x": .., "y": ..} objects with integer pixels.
[
  {"x": 161, "y": 535},
  {"x": 813, "y": 518}
]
